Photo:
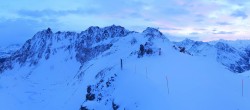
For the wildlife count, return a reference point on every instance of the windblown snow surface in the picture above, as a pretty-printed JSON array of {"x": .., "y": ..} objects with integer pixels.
[{"x": 170, "y": 81}]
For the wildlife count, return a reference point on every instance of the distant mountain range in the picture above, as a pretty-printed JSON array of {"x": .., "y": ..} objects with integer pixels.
[{"x": 7, "y": 51}]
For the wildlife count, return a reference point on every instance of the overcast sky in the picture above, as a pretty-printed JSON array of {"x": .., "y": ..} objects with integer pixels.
[{"x": 197, "y": 19}]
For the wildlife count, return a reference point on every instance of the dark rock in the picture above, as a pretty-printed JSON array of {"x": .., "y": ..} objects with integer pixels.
[
  {"x": 83, "y": 108},
  {"x": 89, "y": 89},
  {"x": 114, "y": 106},
  {"x": 90, "y": 96}
]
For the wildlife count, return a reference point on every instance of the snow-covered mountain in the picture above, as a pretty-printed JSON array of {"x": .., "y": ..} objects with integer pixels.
[
  {"x": 114, "y": 68},
  {"x": 234, "y": 57},
  {"x": 238, "y": 44},
  {"x": 7, "y": 51}
]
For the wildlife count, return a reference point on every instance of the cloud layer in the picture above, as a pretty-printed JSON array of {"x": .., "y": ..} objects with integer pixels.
[{"x": 200, "y": 19}]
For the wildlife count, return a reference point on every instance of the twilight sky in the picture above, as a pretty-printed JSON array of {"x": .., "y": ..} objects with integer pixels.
[{"x": 196, "y": 19}]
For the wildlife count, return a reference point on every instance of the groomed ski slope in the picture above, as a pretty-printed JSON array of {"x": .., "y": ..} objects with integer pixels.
[{"x": 194, "y": 83}]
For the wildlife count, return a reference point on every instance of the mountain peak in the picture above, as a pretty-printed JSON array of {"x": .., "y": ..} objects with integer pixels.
[
  {"x": 188, "y": 40},
  {"x": 151, "y": 29},
  {"x": 153, "y": 33},
  {"x": 47, "y": 31},
  {"x": 114, "y": 28},
  {"x": 221, "y": 44},
  {"x": 44, "y": 34}
]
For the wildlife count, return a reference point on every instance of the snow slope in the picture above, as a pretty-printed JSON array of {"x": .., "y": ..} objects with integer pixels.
[
  {"x": 195, "y": 83},
  {"x": 170, "y": 81}
]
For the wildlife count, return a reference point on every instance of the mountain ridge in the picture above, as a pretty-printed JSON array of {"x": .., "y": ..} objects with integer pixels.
[{"x": 40, "y": 45}]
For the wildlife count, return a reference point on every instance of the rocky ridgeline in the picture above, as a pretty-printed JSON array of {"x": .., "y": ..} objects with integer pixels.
[{"x": 89, "y": 43}]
